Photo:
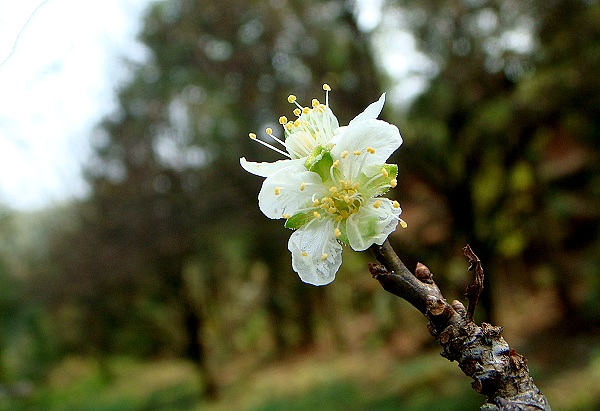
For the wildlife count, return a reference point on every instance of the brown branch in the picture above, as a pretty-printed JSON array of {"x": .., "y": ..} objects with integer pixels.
[
  {"x": 474, "y": 290},
  {"x": 497, "y": 371}
]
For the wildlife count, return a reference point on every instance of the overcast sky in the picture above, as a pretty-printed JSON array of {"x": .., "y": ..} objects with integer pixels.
[{"x": 59, "y": 64}]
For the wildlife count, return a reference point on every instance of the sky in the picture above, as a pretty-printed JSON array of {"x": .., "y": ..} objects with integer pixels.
[{"x": 59, "y": 66}]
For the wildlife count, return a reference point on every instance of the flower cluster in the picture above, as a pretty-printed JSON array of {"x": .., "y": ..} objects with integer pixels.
[{"x": 328, "y": 189}]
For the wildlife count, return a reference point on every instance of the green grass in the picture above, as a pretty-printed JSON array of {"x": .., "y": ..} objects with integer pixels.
[
  {"x": 79, "y": 385},
  {"x": 348, "y": 397},
  {"x": 359, "y": 381},
  {"x": 423, "y": 383}
]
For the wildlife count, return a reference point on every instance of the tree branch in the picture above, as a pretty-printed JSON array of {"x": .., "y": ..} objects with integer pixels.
[{"x": 498, "y": 371}]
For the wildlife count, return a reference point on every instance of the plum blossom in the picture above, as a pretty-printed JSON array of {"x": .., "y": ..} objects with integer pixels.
[{"x": 329, "y": 189}]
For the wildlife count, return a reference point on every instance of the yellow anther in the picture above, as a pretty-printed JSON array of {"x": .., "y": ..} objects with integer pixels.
[
  {"x": 316, "y": 214},
  {"x": 344, "y": 154},
  {"x": 337, "y": 232},
  {"x": 297, "y": 123},
  {"x": 370, "y": 150},
  {"x": 395, "y": 204},
  {"x": 326, "y": 87},
  {"x": 282, "y": 120},
  {"x": 356, "y": 152},
  {"x": 314, "y": 102},
  {"x": 269, "y": 130},
  {"x": 320, "y": 108},
  {"x": 304, "y": 254},
  {"x": 403, "y": 223},
  {"x": 393, "y": 182},
  {"x": 302, "y": 186},
  {"x": 377, "y": 204},
  {"x": 305, "y": 110},
  {"x": 324, "y": 206},
  {"x": 324, "y": 257},
  {"x": 385, "y": 172},
  {"x": 333, "y": 189},
  {"x": 316, "y": 203},
  {"x": 286, "y": 216},
  {"x": 252, "y": 136},
  {"x": 297, "y": 112},
  {"x": 332, "y": 210},
  {"x": 291, "y": 98},
  {"x": 336, "y": 164},
  {"x": 339, "y": 218},
  {"x": 277, "y": 191},
  {"x": 289, "y": 125}
]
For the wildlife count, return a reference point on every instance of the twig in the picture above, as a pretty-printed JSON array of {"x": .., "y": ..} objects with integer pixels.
[
  {"x": 497, "y": 371},
  {"x": 474, "y": 290}
]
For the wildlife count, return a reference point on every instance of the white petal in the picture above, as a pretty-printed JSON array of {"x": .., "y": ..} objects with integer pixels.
[
  {"x": 330, "y": 125},
  {"x": 281, "y": 192},
  {"x": 372, "y": 225},
  {"x": 371, "y": 112},
  {"x": 382, "y": 137},
  {"x": 316, "y": 254},
  {"x": 265, "y": 169},
  {"x": 300, "y": 144}
]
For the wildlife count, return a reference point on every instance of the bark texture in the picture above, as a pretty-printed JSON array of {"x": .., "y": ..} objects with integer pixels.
[{"x": 498, "y": 372}]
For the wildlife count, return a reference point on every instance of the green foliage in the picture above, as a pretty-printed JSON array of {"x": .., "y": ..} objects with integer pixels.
[{"x": 504, "y": 137}]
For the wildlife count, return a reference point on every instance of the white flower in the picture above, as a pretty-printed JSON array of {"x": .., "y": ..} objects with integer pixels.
[
  {"x": 314, "y": 126},
  {"x": 328, "y": 191}
]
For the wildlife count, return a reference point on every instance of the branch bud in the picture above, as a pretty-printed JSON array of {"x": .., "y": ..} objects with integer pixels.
[{"x": 423, "y": 274}]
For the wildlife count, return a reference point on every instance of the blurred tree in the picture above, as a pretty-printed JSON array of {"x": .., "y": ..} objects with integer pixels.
[
  {"x": 168, "y": 196},
  {"x": 514, "y": 95},
  {"x": 561, "y": 101},
  {"x": 26, "y": 343}
]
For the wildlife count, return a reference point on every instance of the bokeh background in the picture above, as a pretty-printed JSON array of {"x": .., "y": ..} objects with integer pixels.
[{"x": 161, "y": 286}]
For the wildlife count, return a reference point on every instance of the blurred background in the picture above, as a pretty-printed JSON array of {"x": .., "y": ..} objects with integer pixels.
[{"x": 142, "y": 276}]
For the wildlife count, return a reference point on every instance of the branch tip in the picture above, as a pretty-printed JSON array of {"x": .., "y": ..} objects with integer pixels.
[{"x": 474, "y": 290}]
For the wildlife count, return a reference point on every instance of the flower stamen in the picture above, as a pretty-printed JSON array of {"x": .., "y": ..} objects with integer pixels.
[
  {"x": 327, "y": 90},
  {"x": 264, "y": 143}
]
